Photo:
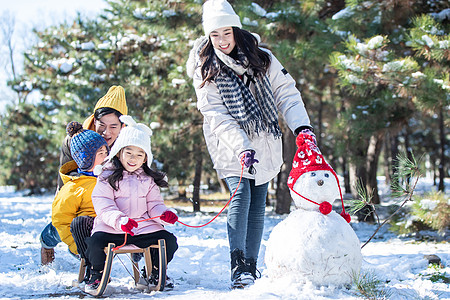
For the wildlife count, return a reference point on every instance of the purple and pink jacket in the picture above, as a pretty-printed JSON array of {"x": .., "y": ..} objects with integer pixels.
[{"x": 138, "y": 197}]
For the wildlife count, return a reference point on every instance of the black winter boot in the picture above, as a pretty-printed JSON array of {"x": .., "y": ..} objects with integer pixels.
[
  {"x": 250, "y": 264},
  {"x": 240, "y": 277},
  {"x": 87, "y": 274},
  {"x": 94, "y": 281},
  {"x": 153, "y": 280}
]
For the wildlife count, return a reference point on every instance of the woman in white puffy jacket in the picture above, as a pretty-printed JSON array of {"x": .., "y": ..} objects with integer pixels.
[{"x": 241, "y": 89}]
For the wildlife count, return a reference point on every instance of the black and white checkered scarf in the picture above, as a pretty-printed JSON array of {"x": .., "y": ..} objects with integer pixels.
[{"x": 254, "y": 113}]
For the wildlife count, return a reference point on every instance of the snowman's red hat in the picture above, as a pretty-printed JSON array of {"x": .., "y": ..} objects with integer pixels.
[{"x": 308, "y": 158}]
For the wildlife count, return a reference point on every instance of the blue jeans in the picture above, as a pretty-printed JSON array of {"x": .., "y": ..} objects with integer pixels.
[
  {"x": 49, "y": 237},
  {"x": 246, "y": 216}
]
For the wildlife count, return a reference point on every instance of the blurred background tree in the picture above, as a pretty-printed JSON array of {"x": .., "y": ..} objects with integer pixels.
[{"x": 373, "y": 76}]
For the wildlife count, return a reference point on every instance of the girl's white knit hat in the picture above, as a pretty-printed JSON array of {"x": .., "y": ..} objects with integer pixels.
[
  {"x": 133, "y": 134},
  {"x": 218, "y": 14}
]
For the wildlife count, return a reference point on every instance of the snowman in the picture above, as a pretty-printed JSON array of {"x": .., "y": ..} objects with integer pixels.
[{"x": 314, "y": 243}]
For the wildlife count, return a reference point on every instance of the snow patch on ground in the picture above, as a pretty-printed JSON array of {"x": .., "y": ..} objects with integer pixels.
[{"x": 200, "y": 268}]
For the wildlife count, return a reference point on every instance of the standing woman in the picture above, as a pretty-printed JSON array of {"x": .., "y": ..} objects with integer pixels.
[{"x": 241, "y": 89}]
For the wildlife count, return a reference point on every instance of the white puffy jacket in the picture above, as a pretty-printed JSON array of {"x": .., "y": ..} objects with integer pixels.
[{"x": 224, "y": 137}]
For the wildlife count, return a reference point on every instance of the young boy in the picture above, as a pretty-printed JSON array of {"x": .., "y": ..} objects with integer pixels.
[{"x": 72, "y": 210}]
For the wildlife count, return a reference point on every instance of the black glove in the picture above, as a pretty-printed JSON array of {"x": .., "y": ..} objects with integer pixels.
[{"x": 299, "y": 129}]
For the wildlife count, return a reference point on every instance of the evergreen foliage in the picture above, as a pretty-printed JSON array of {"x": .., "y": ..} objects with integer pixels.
[
  {"x": 373, "y": 75},
  {"x": 385, "y": 81},
  {"x": 429, "y": 211},
  {"x": 142, "y": 46},
  {"x": 370, "y": 287},
  {"x": 407, "y": 176},
  {"x": 29, "y": 158}
]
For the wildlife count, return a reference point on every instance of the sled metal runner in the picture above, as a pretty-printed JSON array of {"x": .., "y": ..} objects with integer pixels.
[{"x": 110, "y": 254}]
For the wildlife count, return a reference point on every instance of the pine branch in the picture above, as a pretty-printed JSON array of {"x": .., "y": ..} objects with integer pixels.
[
  {"x": 407, "y": 168},
  {"x": 408, "y": 198},
  {"x": 370, "y": 287}
]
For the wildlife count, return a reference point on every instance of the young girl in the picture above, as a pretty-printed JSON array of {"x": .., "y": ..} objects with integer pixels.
[
  {"x": 127, "y": 191},
  {"x": 241, "y": 89}
]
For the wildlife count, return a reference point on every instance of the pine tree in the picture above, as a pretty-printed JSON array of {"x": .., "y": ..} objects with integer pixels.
[
  {"x": 142, "y": 46},
  {"x": 377, "y": 71},
  {"x": 29, "y": 159},
  {"x": 391, "y": 63},
  {"x": 430, "y": 40}
]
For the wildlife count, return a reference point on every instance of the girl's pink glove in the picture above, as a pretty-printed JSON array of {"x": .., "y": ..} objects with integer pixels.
[
  {"x": 127, "y": 224},
  {"x": 169, "y": 217}
]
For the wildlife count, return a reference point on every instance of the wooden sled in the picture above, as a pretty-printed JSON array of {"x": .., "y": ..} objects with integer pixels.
[{"x": 130, "y": 249}]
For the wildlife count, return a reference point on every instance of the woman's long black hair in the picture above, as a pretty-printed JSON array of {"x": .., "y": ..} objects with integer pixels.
[
  {"x": 117, "y": 174},
  {"x": 257, "y": 59}
]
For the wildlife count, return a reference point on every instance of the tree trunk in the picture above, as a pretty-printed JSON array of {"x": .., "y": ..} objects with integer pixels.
[
  {"x": 318, "y": 132},
  {"x": 197, "y": 177},
  {"x": 433, "y": 167},
  {"x": 394, "y": 155},
  {"x": 283, "y": 204},
  {"x": 408, "y": 149},
  {"x": 387, "y": 166},
  {"x": 373, "y": 154},
  {"x": 357, "y": 172},
  {"x": 441, "y": 186},
  {"x": 346, "y": 173}
]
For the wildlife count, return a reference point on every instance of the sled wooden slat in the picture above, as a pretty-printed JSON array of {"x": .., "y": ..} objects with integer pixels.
[
  {"x": 162, "y": 265},
  {"x": 106, "y": 271},
  {"x": 110, "y": 254},
  {"x": 82, "y": 270}
]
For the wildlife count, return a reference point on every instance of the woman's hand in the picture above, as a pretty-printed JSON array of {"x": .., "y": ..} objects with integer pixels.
[{"x": 248, "y": 158}]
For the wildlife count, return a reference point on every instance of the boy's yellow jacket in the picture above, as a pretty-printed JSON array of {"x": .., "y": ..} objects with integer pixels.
[{"x": 72, "y": 200}]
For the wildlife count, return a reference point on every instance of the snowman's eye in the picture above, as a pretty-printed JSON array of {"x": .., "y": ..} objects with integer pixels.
[
  {"x": 313, "y": 174},
  {"x": 327, "y": 175}
]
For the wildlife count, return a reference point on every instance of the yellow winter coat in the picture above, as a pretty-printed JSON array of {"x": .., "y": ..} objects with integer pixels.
[{"x": 72, "y": 200}]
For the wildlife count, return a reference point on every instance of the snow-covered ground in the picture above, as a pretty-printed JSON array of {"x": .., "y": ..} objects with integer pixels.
[{"x": 200, "y": 268}]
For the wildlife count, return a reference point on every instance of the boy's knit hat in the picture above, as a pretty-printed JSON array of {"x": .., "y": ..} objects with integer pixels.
[
  {"x": 218, "y": 14},
  {"x": 134, "y": 134},
  {"x": 114, "y": 98},
  {"x": 84, "y": 145}
]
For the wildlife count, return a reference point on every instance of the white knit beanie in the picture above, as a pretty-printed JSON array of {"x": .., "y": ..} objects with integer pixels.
[
  {"x": 134, "y": 134},
  {"x": 218, "y": 14}
]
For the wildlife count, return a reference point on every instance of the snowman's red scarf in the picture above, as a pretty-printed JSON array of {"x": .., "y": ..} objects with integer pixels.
[{"x": 325, "y": 207}]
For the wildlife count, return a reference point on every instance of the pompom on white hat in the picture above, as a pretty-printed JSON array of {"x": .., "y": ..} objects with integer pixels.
[
  {"x": 133, "y": 134},
  {"x": 218, "y": 14}
]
